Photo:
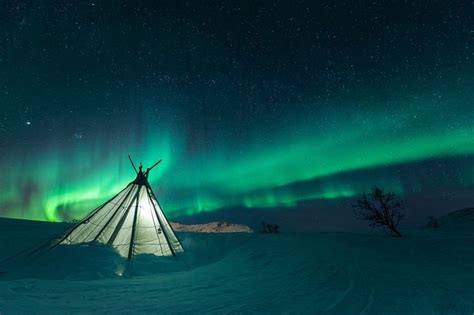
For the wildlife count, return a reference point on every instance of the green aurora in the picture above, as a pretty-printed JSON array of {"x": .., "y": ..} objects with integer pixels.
[{"x": 68, "y": 183}]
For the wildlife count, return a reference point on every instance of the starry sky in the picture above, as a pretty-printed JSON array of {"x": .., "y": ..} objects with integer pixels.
[{"x": 269, "y": 107}]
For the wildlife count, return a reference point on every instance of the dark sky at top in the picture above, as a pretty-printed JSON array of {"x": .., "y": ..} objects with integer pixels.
[{"x": 286, "y": 105}]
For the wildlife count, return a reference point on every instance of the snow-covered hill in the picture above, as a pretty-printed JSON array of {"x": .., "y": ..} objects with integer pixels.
[
  {"x": 211, "y": 227},
  {"x": 453, "y": 224},
  {"x": 460, "y": 218}
]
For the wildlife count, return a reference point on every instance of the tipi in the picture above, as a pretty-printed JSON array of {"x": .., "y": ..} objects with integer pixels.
[{"x": 132, "y": 222}]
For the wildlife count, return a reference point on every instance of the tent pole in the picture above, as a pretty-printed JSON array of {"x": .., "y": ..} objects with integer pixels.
[
  {"x": 113, "y": 215},
  {"x": 164, "y": 215},
  {"x": 100, "y": 221},
  {"x": 132, "y": 238},
  {"x": 101, "y": 206},
  {"x": 150, "y": 168},
  {"x": 133, "y": 165},
  {"x": 122, "y": 220},
  {"x": 82, "y": 221},
  {"x": 161, "y": 223}
]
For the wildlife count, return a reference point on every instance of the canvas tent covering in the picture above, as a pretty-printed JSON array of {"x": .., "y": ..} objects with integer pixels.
[{"x": 132, "y": 222}]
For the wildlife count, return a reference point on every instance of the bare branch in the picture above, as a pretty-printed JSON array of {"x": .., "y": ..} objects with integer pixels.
[{"x": 380, "y": 209}]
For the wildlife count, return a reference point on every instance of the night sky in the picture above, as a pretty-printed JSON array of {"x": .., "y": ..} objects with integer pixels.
[{"x": 284, "y": 108}]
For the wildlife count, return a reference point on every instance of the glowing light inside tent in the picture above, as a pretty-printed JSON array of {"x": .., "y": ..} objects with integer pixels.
[{"x": 120, "y": 270}]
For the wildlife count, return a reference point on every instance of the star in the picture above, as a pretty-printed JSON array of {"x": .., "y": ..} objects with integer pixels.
[{"x": 28, "y": 123}]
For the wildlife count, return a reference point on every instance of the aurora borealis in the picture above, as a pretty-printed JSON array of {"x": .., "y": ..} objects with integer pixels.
[{"x": 249, "y": 105}]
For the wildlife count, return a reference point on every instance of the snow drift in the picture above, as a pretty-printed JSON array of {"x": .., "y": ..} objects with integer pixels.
[{"x": 326, "y": 273}]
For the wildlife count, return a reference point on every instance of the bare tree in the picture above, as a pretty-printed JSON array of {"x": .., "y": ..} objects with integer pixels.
[
  {"x": 268, "y": 228},
  {"x": 380, "y": 209}
]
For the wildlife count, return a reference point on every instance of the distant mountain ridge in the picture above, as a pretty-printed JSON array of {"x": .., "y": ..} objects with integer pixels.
[
  {"x": 458, "y": 217},
  {"x": 458, "y": 222}
]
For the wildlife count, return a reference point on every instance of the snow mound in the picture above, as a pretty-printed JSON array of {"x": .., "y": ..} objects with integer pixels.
[{"x": 459, "y": 216}]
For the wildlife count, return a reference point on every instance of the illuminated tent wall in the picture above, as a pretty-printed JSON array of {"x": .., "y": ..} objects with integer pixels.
[{"x": 132, "y": 222}]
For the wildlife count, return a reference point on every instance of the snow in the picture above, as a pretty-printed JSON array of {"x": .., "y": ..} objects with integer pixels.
[{"x": 425, "y": 272}]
